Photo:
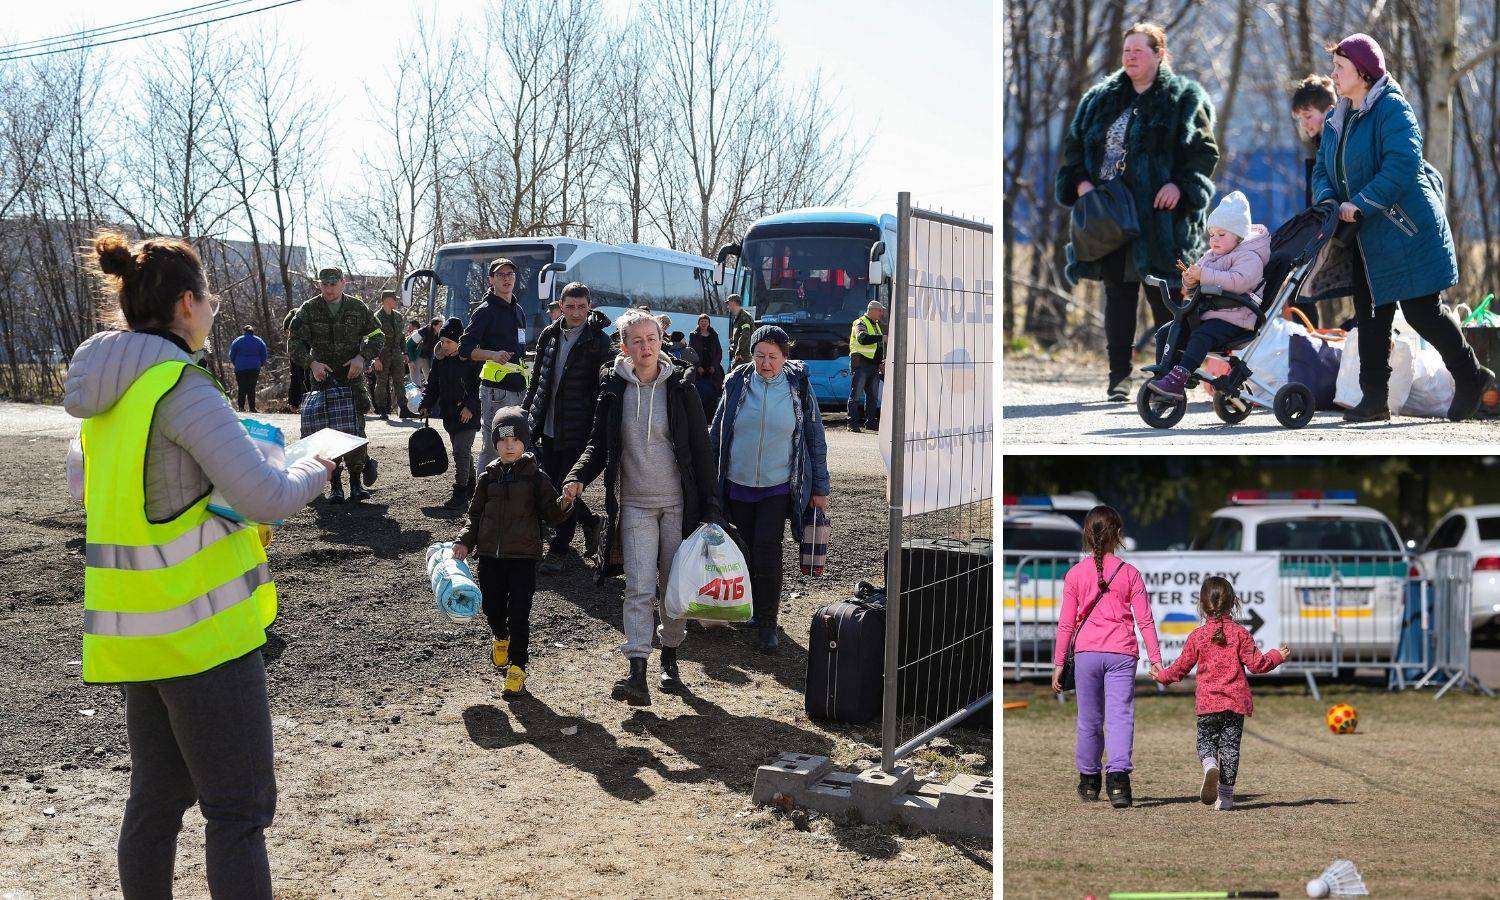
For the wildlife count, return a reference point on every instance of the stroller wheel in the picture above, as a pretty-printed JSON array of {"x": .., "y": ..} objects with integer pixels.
[
  {"x": 1232, "y": 413},
  {"x": 1294, "y": 405},
  {"x": 1158, "y": 411}
]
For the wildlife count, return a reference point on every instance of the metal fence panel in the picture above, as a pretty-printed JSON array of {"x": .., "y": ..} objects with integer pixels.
[
  {"x": 1032, "y": 599},
  {"x": 939, "y": 652}
]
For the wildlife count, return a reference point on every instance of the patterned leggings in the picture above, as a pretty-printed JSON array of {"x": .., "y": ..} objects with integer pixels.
[{"x": 1219, "y": 736}]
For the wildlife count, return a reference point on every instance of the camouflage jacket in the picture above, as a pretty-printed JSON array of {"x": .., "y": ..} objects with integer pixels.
[
  {"x": 391, "y": 325},
  {"x": 333, "y": 335}
]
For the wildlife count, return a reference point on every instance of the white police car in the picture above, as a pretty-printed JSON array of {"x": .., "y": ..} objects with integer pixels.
[
  {"x": 1475, "y": 529},
  {"x": 1326, "y": 541},
  {"x": 1038, "y": 547}
]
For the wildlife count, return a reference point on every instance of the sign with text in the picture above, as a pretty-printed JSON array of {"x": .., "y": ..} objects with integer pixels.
[{"x": 1174, "y": 578}]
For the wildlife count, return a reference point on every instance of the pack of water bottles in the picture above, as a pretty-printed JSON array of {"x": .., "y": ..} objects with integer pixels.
[{"x": 271, "y": 443}]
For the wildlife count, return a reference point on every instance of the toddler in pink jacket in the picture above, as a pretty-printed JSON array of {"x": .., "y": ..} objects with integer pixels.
[
  {"x": 1222, "y": 650},
  {"x": 1236, "y": 263},
  {"x": 1104, "y": 602}
]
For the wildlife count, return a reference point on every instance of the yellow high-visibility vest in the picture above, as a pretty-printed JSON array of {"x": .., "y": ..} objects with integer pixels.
[
  {"x": 161, "y": 599},
  {"x": 496, "y": 371},
  {"x": 860, "y": 348}
]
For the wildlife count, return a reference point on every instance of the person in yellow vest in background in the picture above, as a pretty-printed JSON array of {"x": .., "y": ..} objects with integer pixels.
[
  {"x": 496, "y": 338},
  {"x": 866, "y": 357},
  {"x": 176, "y": 599}
]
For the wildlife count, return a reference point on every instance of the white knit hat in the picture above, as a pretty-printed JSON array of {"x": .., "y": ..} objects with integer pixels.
[{"x": 1232, "y": 214}]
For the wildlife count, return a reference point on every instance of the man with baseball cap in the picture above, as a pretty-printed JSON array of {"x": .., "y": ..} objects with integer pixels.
[
  {"x": 866, "y": 353},
  {"x": 390, "y": 365},
  {"x": 496, "y": 337},
  {"x": 335, "y": 337}
]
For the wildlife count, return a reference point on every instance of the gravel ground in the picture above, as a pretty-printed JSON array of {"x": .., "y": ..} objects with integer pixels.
[
  {"x": 403, "y": 772},
  {"x": 1410, "y": 798},
  {"x": 1046, "y": 401}
]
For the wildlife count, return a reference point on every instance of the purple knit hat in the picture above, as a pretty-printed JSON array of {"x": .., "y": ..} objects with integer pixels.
[{"x": 1366, "y": 55}]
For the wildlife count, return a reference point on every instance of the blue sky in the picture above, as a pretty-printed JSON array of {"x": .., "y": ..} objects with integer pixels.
[{"x": 922, "y": 79}]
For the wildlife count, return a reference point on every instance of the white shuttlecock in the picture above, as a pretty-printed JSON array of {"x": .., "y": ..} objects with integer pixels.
[{"x": 1340, "y": 879}]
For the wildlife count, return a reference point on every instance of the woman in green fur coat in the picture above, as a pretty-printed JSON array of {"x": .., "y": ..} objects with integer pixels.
[{"x": 1154, "y": 129}]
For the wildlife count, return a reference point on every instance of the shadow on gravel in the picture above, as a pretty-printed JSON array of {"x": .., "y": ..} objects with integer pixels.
[
  {"x": 1242, "y": 801},
  {"x": 593, "y": 749},
  {"x": 725, "y": 747},
  {"x": 728, "y": 655},
  {"x": 367, "y": 525}
]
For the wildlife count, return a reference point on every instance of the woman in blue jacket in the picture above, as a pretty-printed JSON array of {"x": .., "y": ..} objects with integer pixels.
[
  {"x": 1370, "y": 162},
  {"x": 767, "y": 435}
]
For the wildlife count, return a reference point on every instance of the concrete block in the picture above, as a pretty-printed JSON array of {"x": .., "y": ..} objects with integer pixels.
[
  {"x": 967, "y": 805},
  {"x": 792, "y": 774},
  {"x": 875, "y": 790}
]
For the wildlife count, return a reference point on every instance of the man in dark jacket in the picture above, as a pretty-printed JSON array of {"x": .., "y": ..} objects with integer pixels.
[
  {"x": 496, "y": 337},
  {"x": 299, "y": 376},
  {"x": 247, "y": 354},
  {"x": 650, "y": 441},
  {"x": 390, "y": 366},
  {"x": 560, "y": 405}
]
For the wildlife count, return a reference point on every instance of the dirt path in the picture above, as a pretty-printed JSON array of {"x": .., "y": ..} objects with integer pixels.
[
  {"x": 1410, "y": 798},
  {"x": 401, "y": 770},
  {"x": 1062, "y": 402}
]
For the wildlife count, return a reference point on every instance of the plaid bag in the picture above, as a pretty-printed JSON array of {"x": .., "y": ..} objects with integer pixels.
[
  {"x": 815, "y": 532},
  {"x": 330, "y": 408}
]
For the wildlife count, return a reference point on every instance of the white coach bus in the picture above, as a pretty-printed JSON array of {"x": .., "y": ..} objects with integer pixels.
[{"x": 619, "y": 276}]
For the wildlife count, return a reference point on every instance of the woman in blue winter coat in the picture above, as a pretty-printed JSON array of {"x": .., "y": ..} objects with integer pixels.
[
  {"x": 1370, "y": 162},
  {"x": 767, "y": 435}
]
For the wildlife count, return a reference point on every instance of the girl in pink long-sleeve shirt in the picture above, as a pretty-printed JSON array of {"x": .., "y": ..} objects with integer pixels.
[
  {"x": 1222, "y": 651},
  {"x": 1104, "y": 655}
]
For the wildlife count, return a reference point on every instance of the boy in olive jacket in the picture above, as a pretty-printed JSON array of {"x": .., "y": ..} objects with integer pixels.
[{"x": 511, "y": 500}]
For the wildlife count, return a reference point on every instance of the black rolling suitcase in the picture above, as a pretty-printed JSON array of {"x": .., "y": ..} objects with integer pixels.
[
  {"x": 846, "y": 658},
  {"x": 947, "y": 627}
]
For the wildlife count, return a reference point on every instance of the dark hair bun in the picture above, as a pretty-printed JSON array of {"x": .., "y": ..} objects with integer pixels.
[{"x": 115, "y": 257}]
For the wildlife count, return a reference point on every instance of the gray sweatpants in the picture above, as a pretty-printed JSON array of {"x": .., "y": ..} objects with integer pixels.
[
  {"x": 463, "y": 455},
  {"x": 492, "y": 399},
  {"x": 649, "y": 539},
  {"x": 204, "y": 738}
]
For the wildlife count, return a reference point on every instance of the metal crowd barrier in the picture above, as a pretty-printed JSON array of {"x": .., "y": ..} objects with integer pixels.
[
  {"x": 1452, "y": 617},
  {"x": 1032, "y": 588},
  {"x": 1339, "y": 612}
]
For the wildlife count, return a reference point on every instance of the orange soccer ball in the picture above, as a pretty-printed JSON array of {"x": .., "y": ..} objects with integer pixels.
[{"x": 1342, "y": 719}]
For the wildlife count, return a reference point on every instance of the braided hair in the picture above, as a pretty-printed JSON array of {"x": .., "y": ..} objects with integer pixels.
[
  {"x": 1101, "y": 535},
  {"x": 1217, "y": 601}
]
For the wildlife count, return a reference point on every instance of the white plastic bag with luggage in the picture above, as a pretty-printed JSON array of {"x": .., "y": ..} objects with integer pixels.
[
  {"x": 1420, "y": 384},
  {"x": 709, "y": 579}
]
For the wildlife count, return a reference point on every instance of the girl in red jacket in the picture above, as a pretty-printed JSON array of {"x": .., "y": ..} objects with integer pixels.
[{"x": 1221, "y": 650}]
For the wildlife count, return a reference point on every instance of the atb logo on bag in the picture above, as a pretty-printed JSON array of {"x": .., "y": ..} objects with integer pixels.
[{"x": 724, "y": 590}]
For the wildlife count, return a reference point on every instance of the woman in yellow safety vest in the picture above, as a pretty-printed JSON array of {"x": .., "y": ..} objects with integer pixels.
[{"x": 176, "y": 598}]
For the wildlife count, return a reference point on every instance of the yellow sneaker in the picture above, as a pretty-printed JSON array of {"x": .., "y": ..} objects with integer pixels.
[
  {"x": 500, "y": 654},
  {"x": 515, "y": 681}
]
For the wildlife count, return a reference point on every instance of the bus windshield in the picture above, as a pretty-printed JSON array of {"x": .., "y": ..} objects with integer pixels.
[
  {"x": 463, "y": 280},
  {"x": 806, "y": 279}
]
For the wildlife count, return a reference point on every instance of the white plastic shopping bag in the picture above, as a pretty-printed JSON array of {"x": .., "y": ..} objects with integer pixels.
[
  {"x": 1430, "y": 391},
  {"x": 709, "y": 579},
  {"x": 1404, "y": 345},
  {"x": 1347, "y": 393},
  {"x": 1269, "y": 356}
]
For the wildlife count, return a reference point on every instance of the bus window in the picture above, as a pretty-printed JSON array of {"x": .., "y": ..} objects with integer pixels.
[
  {"x": 642, "y": 281},
  {"x": 601, "y": 272},
  {"x": 683, "y": 294},
  {"x": 711, "y": 302}
]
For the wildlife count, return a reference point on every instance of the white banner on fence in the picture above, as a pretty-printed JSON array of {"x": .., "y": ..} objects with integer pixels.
[
  {"x": 1173, "y": 580},
  {"x": 949, "y": 419}
]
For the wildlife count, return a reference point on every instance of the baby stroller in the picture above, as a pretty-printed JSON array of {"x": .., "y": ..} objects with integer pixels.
[{"x": 1297, "y": 250}]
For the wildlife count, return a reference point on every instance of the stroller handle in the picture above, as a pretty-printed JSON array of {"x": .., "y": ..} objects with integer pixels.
[{"x": 1166, "y": 294}]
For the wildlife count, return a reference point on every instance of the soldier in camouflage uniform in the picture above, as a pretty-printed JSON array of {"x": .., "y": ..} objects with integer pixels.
[
  {"x": 390, "y": 366},
  {"x": 334, "y": 336}
]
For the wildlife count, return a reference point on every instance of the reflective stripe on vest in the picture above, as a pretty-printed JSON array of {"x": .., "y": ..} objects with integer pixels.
[
  {"x": 161, "y": 599},
  {"x": 857, "y": 347},
  {"x": 497, "y": 371}
]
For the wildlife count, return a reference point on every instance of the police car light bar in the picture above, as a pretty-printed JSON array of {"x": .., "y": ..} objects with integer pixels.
[
  {"x": 1251, "y": 498},
  {"x": 1039, "y": 501}
]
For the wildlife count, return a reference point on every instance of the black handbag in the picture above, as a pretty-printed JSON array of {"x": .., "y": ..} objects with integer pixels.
[
  {"x": 1068, "y": 678},
  {"x": 1104, "y": 220},
  {"x": 426, "y": 452}
]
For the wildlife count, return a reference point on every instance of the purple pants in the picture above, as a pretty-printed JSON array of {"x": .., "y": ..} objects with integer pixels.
[{"x": 1106, "y": 710}]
